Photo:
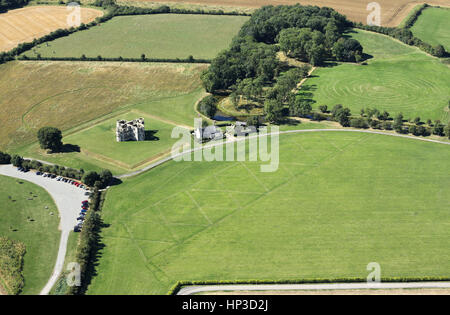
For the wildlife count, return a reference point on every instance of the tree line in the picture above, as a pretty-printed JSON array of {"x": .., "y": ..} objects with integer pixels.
[
  {"x": 89, "y": 243},
  {"x": 143, "y": 58},
  {"x": 406, "y": 36},
  {"x": 6, "y": 5}
]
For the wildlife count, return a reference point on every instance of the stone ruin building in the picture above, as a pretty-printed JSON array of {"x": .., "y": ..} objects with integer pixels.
[{"x": 133, "y": 130}]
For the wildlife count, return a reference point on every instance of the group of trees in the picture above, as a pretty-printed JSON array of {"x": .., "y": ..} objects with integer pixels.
[
  {"x": 12, "y": 254},
  {"x": 308, "y": 33},
  {"x": 5, "y": 5},
  {"x": 89, "y": 243},
  {"x": 5, "y": 158},
  {"x": 18, "y": 161},
  {"x": 50, "y": 138},
  {"x": 208, "y": 106},
  {"x": 315, "y": 47},
  {"x": 98, "y": 180},
  {"x": 284, "y": 93},
  {"x": 245, "y": 59},
  {"x": 91, "y": 179}
]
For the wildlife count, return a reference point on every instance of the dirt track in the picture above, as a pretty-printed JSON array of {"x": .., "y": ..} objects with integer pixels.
[
  {"x": 392, "y": 11},
  {"x": 23, "y": 25}
]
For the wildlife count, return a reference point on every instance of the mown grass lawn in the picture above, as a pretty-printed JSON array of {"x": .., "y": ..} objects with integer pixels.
[
  {"x": 40, "y": 236},
  {"x": 433, "y": 27},
  {"x": 398, "y": 79},
  {"x": 101, "y": 140},
  {"x": 156, "y": 36},
  {"x": 337, "y": 202}
]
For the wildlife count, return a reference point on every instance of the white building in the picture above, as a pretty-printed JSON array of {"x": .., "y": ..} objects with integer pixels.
[{"x": 133, "y": 130}]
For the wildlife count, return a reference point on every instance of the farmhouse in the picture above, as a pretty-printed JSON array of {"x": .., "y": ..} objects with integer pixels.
[
  {"x": 133, "y": 130},
  {"x": 241, "y": 129},
  {"x": 208, "y": 133}
]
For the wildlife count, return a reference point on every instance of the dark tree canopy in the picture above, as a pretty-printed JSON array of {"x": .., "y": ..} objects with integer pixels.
[
  {"x": 50, "y": 138},
  {"x": 308, "y": 33},
  {"x": 347, "y": 49},
  {"x": 267, "y": 22},
  {"x": 208, "y": 106},
  {"x": 5, "y": 158},
  {"x": 11, "y": 4}
]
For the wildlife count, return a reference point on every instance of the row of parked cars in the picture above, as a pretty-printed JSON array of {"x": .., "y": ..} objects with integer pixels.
[
  {"x": 80, "y": 219},
  {"x": 62, "y": 179},
  {"x": 23, "y": 170}
]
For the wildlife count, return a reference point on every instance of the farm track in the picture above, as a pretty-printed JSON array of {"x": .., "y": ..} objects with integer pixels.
[{"x": 189, "y": 290}]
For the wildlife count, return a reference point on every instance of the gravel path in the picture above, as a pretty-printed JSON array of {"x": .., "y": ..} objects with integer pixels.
[
  {"x": 189, "y": 290},
  {"x": 67, "y": 198}
]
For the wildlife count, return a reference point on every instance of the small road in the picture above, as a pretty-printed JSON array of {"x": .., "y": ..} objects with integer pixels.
[
  {"x": 189, "y": 290},
  {"x": 68, "y": 200},
  {"x": 153, "y": 165}
]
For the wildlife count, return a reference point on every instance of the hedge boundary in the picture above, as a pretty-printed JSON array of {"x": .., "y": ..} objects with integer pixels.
[
  {"x": 416, "y": 13},
  {"x": 179, "y": 284},
  {"x": 89, "y": 243},
  {"x": 405, "y": 35},
  {"x": 116, "y": 59},
  {"x": 112, "y": 11}
]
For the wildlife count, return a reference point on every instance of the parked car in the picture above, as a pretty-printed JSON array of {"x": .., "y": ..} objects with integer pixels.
[
  {"x": 38, "y": 173},
  {"x": 76, "y": 229}
]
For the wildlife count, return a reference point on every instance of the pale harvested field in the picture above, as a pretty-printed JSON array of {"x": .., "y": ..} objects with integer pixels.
[
  {"x": 23, "y": 25},
  {"x": 66, "y": 94},
  {"x": 341, "y": 292},
  {"x": 392, "y": 11}
]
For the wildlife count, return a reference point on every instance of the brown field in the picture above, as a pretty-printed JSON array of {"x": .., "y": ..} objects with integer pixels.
[
  {"x": 392, "y": 11},
  {"x": 23, "y": 25},
  {"x": 66, "y": 94}
]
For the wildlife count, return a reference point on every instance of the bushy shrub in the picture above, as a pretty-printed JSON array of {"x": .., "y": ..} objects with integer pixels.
[
  {"x": 359, "y": 123},
  {"x": 5, "y": 158},
  {"x": 208, "y": 106}
]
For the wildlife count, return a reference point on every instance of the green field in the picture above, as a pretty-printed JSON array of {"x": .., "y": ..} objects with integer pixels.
[
  {"x": 337, "y": 202},
  {"x": 40, "y": 236},
  {"x": 101, "y": 139},
  {"x": 433, "y": 27},
  {"x": 398, "y": 78},
  {"x": 156, "y": 36}
]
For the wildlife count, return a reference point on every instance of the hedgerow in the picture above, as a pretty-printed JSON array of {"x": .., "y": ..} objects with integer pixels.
[
  {"x": 415, "y": 15},
  {"x": 117, "y": 59},
  {"x": 406, "y": 36},
  {"x": 89, "y": 243},
  {"x": 11, "y": 264}
]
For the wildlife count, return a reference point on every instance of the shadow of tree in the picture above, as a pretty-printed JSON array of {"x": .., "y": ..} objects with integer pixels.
[
  {"x": 68, "y": 148},
  {"x": 96, "y": 254}
]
